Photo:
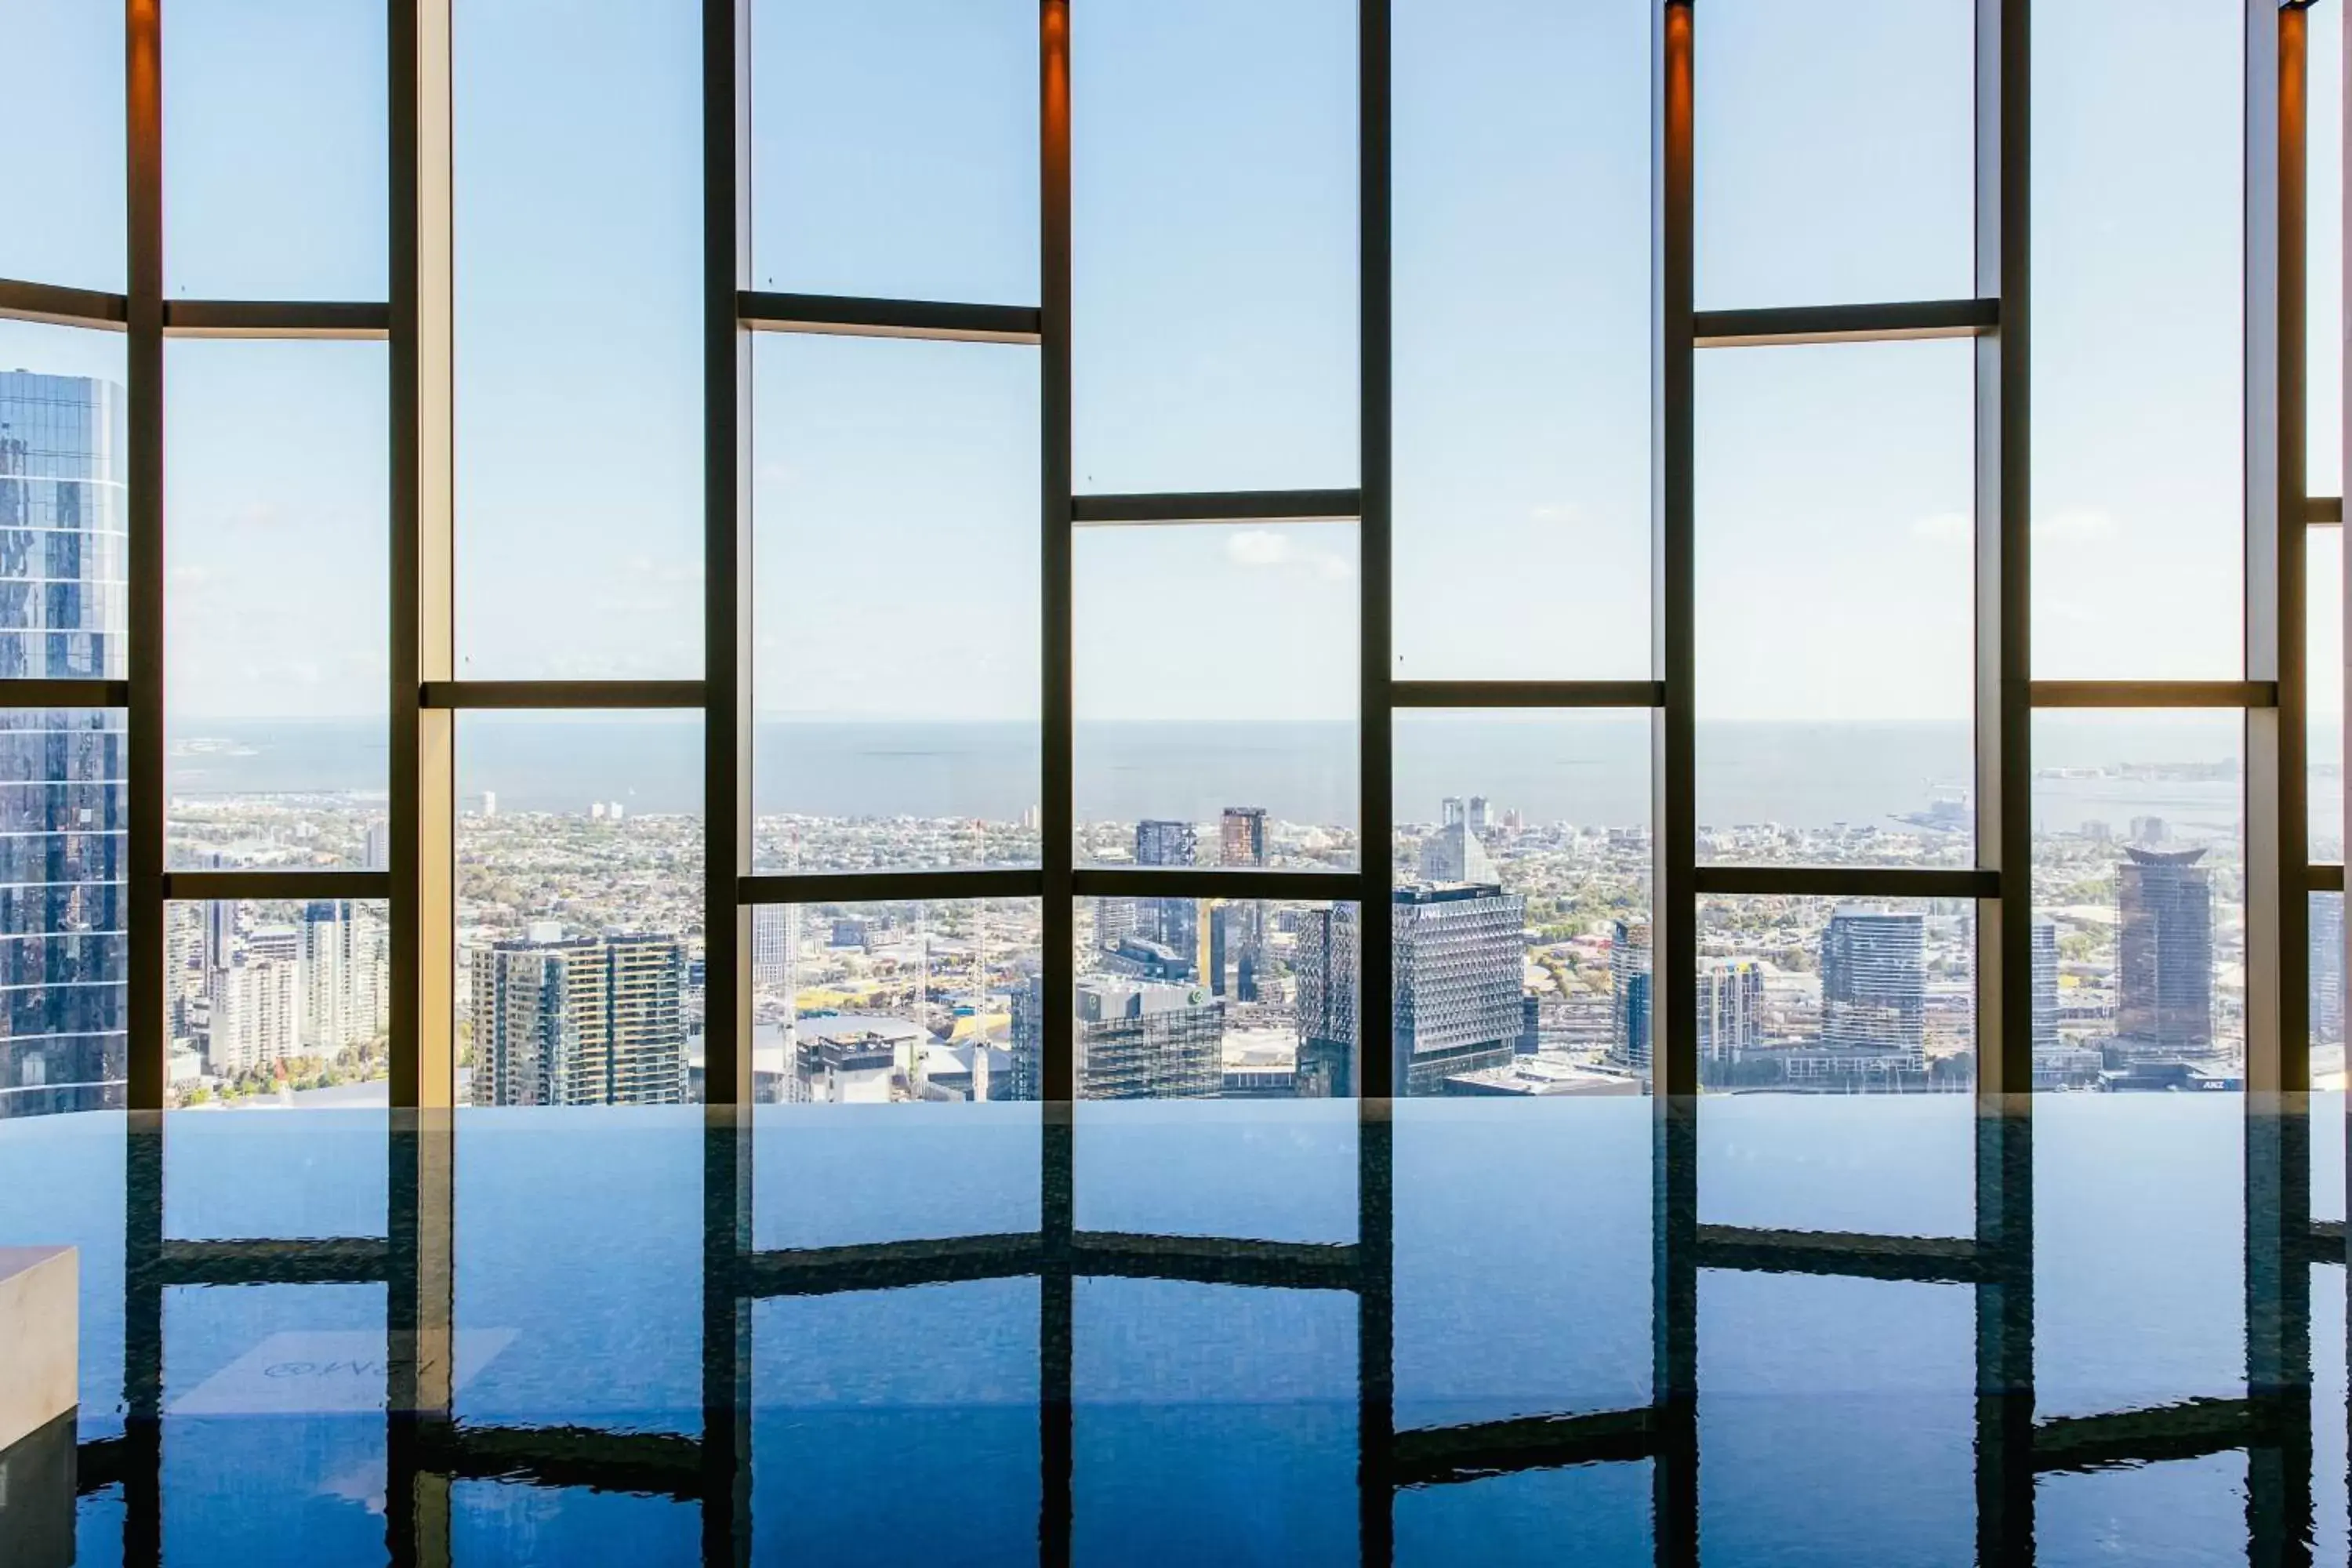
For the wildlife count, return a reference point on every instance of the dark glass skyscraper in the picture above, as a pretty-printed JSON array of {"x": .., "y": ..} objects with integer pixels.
[
  {"x": 2164, "y": 960},
  {"x": 63, "y": 959},
  {"x": 1874, "y": 981}
]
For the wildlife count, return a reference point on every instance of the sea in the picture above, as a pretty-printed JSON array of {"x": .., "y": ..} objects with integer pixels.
[{"x": 1592, "y": 771}]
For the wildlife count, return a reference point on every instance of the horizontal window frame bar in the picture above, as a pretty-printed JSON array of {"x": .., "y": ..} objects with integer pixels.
[
  {"x": 1217, "y": 1260},
  {"x": 54, "y": 305},
  {"x": 1242, "y": 885},
  {"x": 2152, "y": 694},
  {"x": 2324, "y": 1242},
  {"x": 46, "y": 692},
  {"x": 772, "y": 889},
  {"x": 1919, "y": 1259},
  {"x": 355, "y": 320},
  {"x": 1421, "y": 694},
  {"x": 1848, "y": 882},
  {"x": 1894, "y": 322},
  {"x": 2324, "y": 511},
  {"x": 589, "y": 1459},
  {"x": 774, "y": 1272},
  {"x": 2190, "y": 1429},
  {"x": 2323, "y": 877},
  {"x": 555, "y": 696},
  {"x": 294, "y": 882},
  {"x": 327, "y": 1260},
  {"x": 100, "y": 1463},
  {"x": 1176, "y": 507},
  {"x": 846, "y": 315},
  {"x": 1443, "y": 1456}
]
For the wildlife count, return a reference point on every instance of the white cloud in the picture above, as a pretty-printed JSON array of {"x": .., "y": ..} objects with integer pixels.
[
  {"x": 1259, "y": 547},
  {"x": 1945, "y": 528}
]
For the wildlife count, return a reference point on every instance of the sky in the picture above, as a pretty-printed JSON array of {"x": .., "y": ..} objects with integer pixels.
[{"x": 1215, "y": 336}]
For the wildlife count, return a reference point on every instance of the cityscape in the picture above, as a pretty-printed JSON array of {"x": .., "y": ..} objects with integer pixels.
[{"x": 1522, "y": 944}]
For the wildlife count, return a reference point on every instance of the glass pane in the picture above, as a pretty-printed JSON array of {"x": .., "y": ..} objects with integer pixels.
[
  {"x": 281, "y": 1005},
  {"x": 274, "y": 152},
  {"x": 2138, "y": 875},
  {"x": 1189, "y": 1392},
  {"x": 1250, "y": 704},
  {"x": 2324, "y": 191},
  {"x": 274, "y": 1433},
  {"x": 834, "y": 1394},
  {"x": 1835, "y": 149},
  {"x": 934, "y": 1010},
  {"x": 1509, "y": 903},
  {"x": 579, "y": 339},
  {"x": 896, "y": 473},
  {"x": 1568, "y": 1242},
  {"x": 2323, "y": 670},
  {"x": 64, "y": 96},
  {"x": 894, "y": 148},
  {"x": 277, "y": 637},
  {"x": 1806, "y": 1383},
  {"x": 1521, "y": 317},
  {"x": 2138, "y": 561},
  {"x": 1839, "y": 478},
  {"x": 61, "y": 1184},
  {"x": 64, "y": 527},
  {"x": 512, "y": 1521},
  {"x": 1183, "y": 999},
  {"x": 1837, "y": 1042},
  {"x": 1213, "y": 261},
  {"x": 579, "y": 907},
  {"x": 63, "y": 914}
]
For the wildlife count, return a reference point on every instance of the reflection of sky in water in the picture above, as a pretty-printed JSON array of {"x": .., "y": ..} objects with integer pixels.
[{"x": 1212, "y": 1421}]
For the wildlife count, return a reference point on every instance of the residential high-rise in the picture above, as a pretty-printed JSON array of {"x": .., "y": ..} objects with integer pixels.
[
  {"x": 1026, "y": 1080},
  {"x": 1458, "y": 986},
  {"x": 2164, "y": 968},
  {"x": 2327, "y": 970},
  {"x": 1240, "y": 839},
  {"x": 1874, "y": 982},
  {"x": 1628, "y": 994},
  {"x": 1730, "y": 1008},
  {"x": 220, "y": 932},
  {"x": 587, "y": 1021},
  {"x": 256, "y": 1010},
  {"x": 1480, "y": 817},
  {"x": 2045, "y": 985},
  {"x": 63, "y": 961},
  {"x": 1145, "y": 1040},
  {"x": 772, "y": 947},
  {"x": 344, "y": 958},
  {"x": 1174, "y": 923}
]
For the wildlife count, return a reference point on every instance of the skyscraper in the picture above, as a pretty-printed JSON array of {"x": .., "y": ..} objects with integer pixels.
[
  {"x": 1730, "y": 1008},
  {"x": 587, "y": 1021},
  {"x": 63, "y": 961},
  {"x": 1174, "y": 923},
  {"x": 1240, "y": 839},
  {"x": 2045, "y": 985},
  {"x": 256, "y": 1014},
  {"x": 344, "y": 958},
  {"x": 1234, "y": 971},
  {"x": 2164, "y": 968},
  {"x": 1628, "y": 994},
  {"x": 2327, "y": 969},
  {"x": 1453, "y": 854},
  {"x": 1459, "y": 987},
  {"x": 1145, "y": 1040},
  {"x": 1874, "y": 982},
  {"x": 1027, "y": 1079}
]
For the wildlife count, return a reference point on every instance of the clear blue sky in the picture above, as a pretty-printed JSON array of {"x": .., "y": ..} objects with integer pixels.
[{"x": 1215, "y": 344}]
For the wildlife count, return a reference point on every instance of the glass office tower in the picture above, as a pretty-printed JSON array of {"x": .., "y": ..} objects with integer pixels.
[{"x": 62, "y": 613}]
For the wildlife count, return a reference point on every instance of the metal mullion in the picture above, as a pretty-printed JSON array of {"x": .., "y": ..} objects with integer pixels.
[
  {"x": 553, "y": 696},
  {"x": 149, "y": 1001},
  {"x": 64, "y": 693},
  {"x": 350, "y": 319},
  {"x": 320, "y": 882},
  {"x": 51, "y": 304},
  {"x": 2153, "y": 694},
  {"x": 1891, "y": 322},
  {"x": 849, "y": 316},
  {"x": 2324, "y": 511},
  {"x": 1377, "y": 1077},
  {"x": 1673, "y": 956},
  {"x": 2277, "y": 956},
  {"x": 1838, "y": 1254},
  {"x": 2324, "y": 878},
  {"x": 888, "y": 886},
  {"x": 1057, "y": 807},
  {"x": 423, "y": 740},
  {"x": 1215, "y": 882},
  {"x": 1410, "y": 694},
  {"x": 1161, "y": 509},
  {"x": 1847, "y": 882}
]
